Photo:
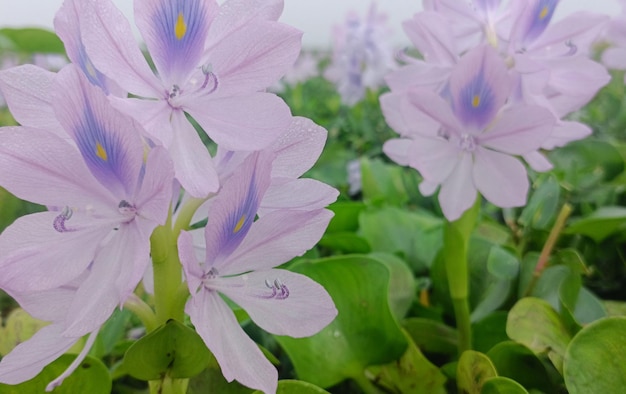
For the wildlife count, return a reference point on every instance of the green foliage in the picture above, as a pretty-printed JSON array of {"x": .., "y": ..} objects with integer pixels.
[
  {"x": 595, "y": 359},
  {"x": 364, "y": 333},
  {"x": 91, "y": 376},
  {"x": 172, "y": 350},
  {"x": 30, "y": 41}
]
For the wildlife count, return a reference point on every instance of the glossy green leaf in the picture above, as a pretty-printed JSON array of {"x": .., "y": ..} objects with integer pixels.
[
  {"x": 172, "y": 349},
  {"x": 364, "y": 332},
  {"x": 382, "y": 182},
  {"x": 412, "y": 374},
  {"x": 502, "y": 385},
  {"x": 432, "y": 336},
  {"x": 345, "y": 242},
  {"x": 502, "y": 264},
  {"x": 514, "y": 360},
  {"x": 473, "y": 370},
  {"x": 535, "y": 324},
  {"x": 543, "y": 206},
  {"x": 346, "y": 218},
  {"x": 91, "y": 377},
  {"x": 296, "y": 387},
  {"x": 415, "y": 235},
  {"x": 595, "y": 361},
  {"x": 489, "y": 331},
  {"x": 402, "y": 285},
  {"x": 600, "y": 224},
  {"x": 32, "y": 40}
]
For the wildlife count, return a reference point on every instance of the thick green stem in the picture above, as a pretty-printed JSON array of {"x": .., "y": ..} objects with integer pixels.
[
  {"x": 142, "y": 311},
  {"x": 456, "y": 243},
  {"x": 168, "y": 385},
  {"x": 544, "y": 257}
]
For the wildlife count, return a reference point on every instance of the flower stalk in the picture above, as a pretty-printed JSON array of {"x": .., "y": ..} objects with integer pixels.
[{"x": 456, "y": 242}]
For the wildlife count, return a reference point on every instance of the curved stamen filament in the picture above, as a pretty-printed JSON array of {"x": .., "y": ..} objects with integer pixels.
[
  {"x": 279, "y": 289},
  {"x": 59, "y": 221}
]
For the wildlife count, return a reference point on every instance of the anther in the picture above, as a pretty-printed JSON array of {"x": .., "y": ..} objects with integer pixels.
[{"x": 59, "y": 221}]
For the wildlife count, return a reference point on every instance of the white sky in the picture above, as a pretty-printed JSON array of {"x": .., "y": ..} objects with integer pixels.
[{"x": 314, "y": 17}]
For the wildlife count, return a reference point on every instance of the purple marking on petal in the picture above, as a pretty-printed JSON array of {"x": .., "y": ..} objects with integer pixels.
[
  {"x": 476, "y": 101},
  {"x": 102, "y": 151},
  {"x": 240, "y": 220},
  {"x": 538, "y": 17},
  {"x": 181, "y": 26},
  {"x": 93, "y": 75}
]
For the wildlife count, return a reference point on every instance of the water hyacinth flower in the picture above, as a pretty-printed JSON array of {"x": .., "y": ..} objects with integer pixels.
[
  {"x": 239, "y": 262},
  {"x": 362, "y": 55},
  {"x": 213, "y": 63},
  {"x": 105, "y": 196},
  {"x": 28, "y": 358},
  {"x": 478, "y": 138}
]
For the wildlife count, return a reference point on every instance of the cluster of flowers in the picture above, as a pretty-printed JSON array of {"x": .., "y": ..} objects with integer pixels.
[
  {"x": 362, "y": 55},
  {"x": 494, "y": 83},
  {"x": 107, "y": 145}
]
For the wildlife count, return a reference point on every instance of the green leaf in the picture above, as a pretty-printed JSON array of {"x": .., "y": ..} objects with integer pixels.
[
  {"x": 382, "y": 182},
  {"x": 346, "y": 218},
  {"x": 18, "y": 328},
  {"x": 415, "y": 235},
  {"x": 489, "y": 331},
  {"x": 431, "y": 336},
  {"x": 296, "y": 387},
  {"x": 91, "y": 377},
  {"x": 32, "y": 40},
  {"x": 595, "y": 361},
  {"x": 345, "y": 242},
  {"x": 514, "y": 360},
  {"x": 502, "y": 385},
  {"x": 402, "y": 285},
  {"x": 364, "y": 332},
  {"x": 600, "y": 224},
  {"x": 172, "y": 349},
  {"x": 412, "y": 374},
  {"x": 543, "y": 205},
  {"x": 535, "y": 324},
  {"x": 473, "y": 370},
  {"x": 502, "y": 264}
]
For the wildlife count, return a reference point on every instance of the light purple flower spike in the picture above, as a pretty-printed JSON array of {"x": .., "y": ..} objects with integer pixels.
[
  {"x": 105, "y": 200},
  {"x": 240, "y": 255},
  {"x": 478, "y": 137},
  {"x": 213, "y": 63}
]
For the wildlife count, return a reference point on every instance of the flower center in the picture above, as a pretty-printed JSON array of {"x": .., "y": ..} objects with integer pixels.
[
  {"x": 467, "y": 143},
  {"x": 206, "y": 84}
]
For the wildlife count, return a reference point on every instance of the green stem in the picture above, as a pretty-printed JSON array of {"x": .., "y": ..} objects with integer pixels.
[
  {"x": 167, "y": 385},
  {"x": 365, "y": 384},
  {"x": 544, "y": 257},
  {"x": 456, "y": 243},
  {"x": 142, "y": 311},
  {"x": 185, "y": 214},
  {"x": 167, "y": 274}
]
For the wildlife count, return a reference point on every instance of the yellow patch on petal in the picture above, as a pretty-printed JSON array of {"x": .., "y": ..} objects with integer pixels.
[
  {"x": 90, "y": 69},
  {"x": 239, "y": 224},
  {"x": 544, "y": 12},
  {"x": 476, "y": 101},
  {"x": 100, "y": 152},
  {"x": 180, "y": 29}
]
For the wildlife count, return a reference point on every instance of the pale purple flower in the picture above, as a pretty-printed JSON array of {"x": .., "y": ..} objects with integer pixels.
[
  {"x": 28, "y": 358},
  {"x": 362, "y": 55},
  {"x": 212, "y": 63},
  {"x": 239, "y": 259},
  {"x": 105, "y": 198},
  {"x": 614, "y": 57},
  {"x": 474, "y": 149}
]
